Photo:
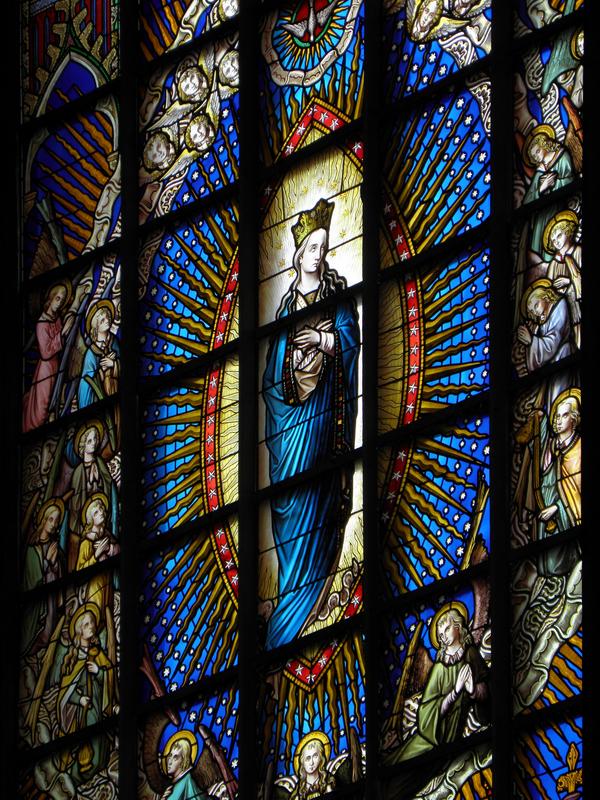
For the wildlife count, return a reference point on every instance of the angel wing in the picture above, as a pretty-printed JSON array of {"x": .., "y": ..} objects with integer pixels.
[
  {"x": 324, "y": 14},
  {"x": 172, "y": 114},
  {"x": 417, "y": 667},
  {"x": 574, "y": 135},
  {"x": 288, "y": 783},
  {"x": 295, "y": 28},
  {"x": 212, "y": 767}
]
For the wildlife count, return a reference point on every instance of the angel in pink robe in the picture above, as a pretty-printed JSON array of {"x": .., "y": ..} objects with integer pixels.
[{"x": 50, "y": 333}]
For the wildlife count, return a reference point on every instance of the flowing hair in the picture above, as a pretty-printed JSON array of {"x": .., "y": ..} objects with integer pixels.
[
  {"x": 323, "y": 781},
  {"x": 331, "y": 282},
  {"x": 73, "y": 652}
]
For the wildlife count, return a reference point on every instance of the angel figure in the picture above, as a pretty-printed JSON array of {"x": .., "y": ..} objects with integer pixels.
[
  {"x": 177, "y": 763},
  {"x": 548, "y": 490},
  {"x": 194, "y": 22},
  {"x": 452, "y": 694},
  {"x": 87, "y": 690},
  {"x": 454, "y": 687},
  {"x": 191, "y": 764},
  {"x": 90, "y": 476},
  {"x": 315, "y": 773},
  {"x": 310, "y": 763},
  {"x": 180, "y": 118},
  {"x": 441, "y": 19},
  {"x": 51, "y": 331},
  {"x": 100, "y": 371},
  {"x": 564, "y": 270}
]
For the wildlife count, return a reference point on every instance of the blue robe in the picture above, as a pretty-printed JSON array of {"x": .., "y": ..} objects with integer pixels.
[
  {"x": 186, "y": 788},
  {"x": 86, "y": 395},
  {"x": 308, "y": 520}
]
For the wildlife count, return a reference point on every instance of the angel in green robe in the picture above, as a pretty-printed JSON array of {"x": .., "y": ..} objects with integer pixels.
[{"x": 455, "y": 685}]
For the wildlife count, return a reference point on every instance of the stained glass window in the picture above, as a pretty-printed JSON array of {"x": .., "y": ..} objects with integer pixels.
[{"x": 303, "y": 467}]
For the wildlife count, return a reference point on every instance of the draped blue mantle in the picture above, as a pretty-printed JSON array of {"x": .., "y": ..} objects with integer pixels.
[{"x": 308, "y": 520}]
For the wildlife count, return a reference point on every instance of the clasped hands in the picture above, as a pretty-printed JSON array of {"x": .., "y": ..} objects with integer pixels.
[{"x": 309, "y": 337}]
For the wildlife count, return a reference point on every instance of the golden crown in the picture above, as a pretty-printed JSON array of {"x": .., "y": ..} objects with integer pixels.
[{"x": 309, "y": 221}]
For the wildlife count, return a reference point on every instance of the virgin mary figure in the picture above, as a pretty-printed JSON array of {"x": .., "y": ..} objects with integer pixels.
[{"x": 310, "y": 392}]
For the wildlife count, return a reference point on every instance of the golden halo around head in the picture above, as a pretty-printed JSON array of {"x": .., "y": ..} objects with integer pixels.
[
  {"x": 66, "y": 285},
  {"x": 94, "y": 423},
  {"x": 53, "y": 501},
  {"x": 97, "y": 496},
  {"x": 542, "y": 283},
  {"x": 456, "y": 605},
  {"x": 575, "y": 393},
  {"x": 92, "y": 608},
  {"x": 319, "y": 736},
  {"x": 189, "y": 737},
  {"x": 574, "y": 44},
  {"x": 548, "y": 130},
  {"x": 562, "y": 216},
  {"x": 93, "y": 310}
]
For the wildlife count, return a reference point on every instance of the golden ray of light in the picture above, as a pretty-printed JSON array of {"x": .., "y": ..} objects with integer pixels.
[
  {"x": 467, "y": 793},
  {"x": 223, "y": 241},
  {"x": 72, "y": 190},
  {"x": 548, "y": 742},
  {"x": 204, "y": 313},
  {"x": 398, "y": 554},
  {"x": 433, "y": 306},
  {"x": 449, "y": 370},
  {"x": 437, "y": 355},
  {"x": 179, "y": 436},
  {"x": 214, "y": 280},
  {"x": 574, "y": 727},
  {"x": 191, "y": 553},
  {"x": 193, "y": 508},
  {"x": 430, "y": 282},
  {"x": 530, "y": 772},
  {"x": 191, "y": 346},
  {"x": 197, "y": 285},
  {"x": 401, "y": 175},
  {"x": 156, "y": 44},
  {"x": 564, "y": 671},
  {"x": 165, "y": 33},
  {"x": 421, "y": 557},
  {"x": 432, "y": 488},
  {"x": 415, "y": 520},
  {"x": 173, "y": 22},
  {"x": 572, "y": 655},
  {"x": 104, "y": 144},
  {"x": 179, "y": 488},
  {"x": 428, "y": 464},
  {"x": 435, "y": 231}
]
